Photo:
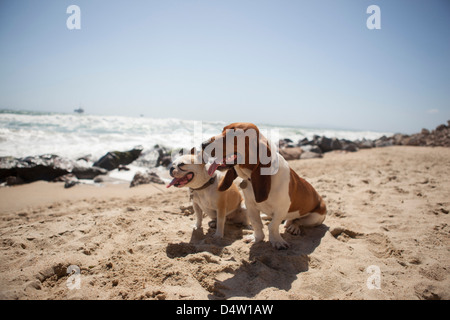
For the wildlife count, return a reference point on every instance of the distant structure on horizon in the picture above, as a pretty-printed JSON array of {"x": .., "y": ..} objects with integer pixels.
[{"x": 79, "y": 110}]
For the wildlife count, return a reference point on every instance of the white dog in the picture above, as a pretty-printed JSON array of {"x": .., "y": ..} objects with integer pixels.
[{"x": 219, "y": 206}]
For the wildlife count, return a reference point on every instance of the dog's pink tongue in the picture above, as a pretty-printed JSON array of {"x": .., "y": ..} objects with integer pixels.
[
  {"x": 171, "y": 183},
  {"x": 213, "y": 168}
]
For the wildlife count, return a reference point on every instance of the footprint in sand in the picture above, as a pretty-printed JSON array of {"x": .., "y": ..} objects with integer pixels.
[{"x": 343, "y": 234}]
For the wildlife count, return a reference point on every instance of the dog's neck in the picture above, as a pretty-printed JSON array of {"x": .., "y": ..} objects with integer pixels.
[
  {"x": 244, "y": 171},
  {"x": 206, "y": 185}
]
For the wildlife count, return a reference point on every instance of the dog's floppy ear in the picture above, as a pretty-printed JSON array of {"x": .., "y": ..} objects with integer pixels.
[
  {"x": 198, "y": 156},
  {"x": 261, "y": 184},
  {"x": 227, "y": 180},
  {"x": 260, "y": 177}
]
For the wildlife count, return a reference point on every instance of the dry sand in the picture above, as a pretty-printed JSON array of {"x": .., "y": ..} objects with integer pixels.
[{"x": 387, "y": 207}]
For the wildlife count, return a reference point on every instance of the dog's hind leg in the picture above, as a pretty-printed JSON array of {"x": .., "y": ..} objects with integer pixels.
[{"x": 312, "y": 219}]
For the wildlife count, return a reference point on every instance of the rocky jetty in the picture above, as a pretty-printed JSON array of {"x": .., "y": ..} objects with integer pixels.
[
  {"x": 114, "y": 159},
  {"x": 51, "y": 167},
  {"x": 46, "y": 167},
  {"x": 315, "y": 148},
  {"x": 145, "y": 178}
]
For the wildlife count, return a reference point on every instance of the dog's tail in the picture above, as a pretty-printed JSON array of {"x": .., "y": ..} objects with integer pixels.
[
  {"x": 321, "y": 207},
  {"x": 311, "y": 219},
  {"x": 315, "y": 217}
]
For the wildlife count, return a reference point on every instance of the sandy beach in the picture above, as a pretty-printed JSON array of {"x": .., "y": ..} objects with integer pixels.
[{"x": 386, "y": 236}]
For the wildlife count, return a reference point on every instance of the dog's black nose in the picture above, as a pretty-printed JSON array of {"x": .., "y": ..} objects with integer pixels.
[{"x": 171, "y": 171}]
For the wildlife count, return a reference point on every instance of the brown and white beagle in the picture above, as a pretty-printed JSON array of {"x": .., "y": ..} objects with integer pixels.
[{"x": 271, "y": 187}]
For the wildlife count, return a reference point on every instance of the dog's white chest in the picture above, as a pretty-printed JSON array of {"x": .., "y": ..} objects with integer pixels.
[
  {"x": 250, "y": 201},
  {"x": 278, "y": 198},
  {"x": 203, "y": 202}
]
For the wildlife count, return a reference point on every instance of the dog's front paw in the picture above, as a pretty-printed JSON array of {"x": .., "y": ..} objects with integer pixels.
[
  {"x": 218, "y": 235},
  {"x": 280, "y": 244},
  {"x": 253, "y": 239},
  {"x": 249, "y": 239},
  {"x": 197, "y": 226}
]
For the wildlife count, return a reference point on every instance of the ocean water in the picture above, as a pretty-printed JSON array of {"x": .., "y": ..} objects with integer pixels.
[{"x": 73, "y": 135}]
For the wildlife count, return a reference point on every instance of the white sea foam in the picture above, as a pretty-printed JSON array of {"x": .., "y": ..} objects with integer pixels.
[{"x": 73, "y": 135}]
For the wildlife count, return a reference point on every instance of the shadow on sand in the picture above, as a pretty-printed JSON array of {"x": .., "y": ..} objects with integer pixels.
[
  {"x": 265, "y": 267},
  {"x": 268, "y": 267}
]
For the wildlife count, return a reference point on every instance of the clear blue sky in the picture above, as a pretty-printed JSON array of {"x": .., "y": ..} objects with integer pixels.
[{"x": 306, "y": 63}]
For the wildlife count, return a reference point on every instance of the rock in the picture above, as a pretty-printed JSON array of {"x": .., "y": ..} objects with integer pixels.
[
  {"x": 164, "y": 161},
  {"x": 105, "y": 179},
  {"x": 350, "y": 146},
  {"x": 311, "y": 148},
  {"x": 365, "y": 144},
  {"x": 45, "y": 167},
  {"x": 145, "y": 178},
  {"x": 384, "y": 142},
  {"x": 158, "y": 156},
  {"x": 187, "y": 208},
  {"x": 285, "y": 143},
  {"x": 399, "y": 138},
  {"x": 425, "y": 132},
  {"x": 281, "y": 143},
  {"x": 310, "y": 155},
  {"x": 88, "y": 172},
  {"x": 12, "y": 181},
  {"x": 70, "y": 183},
  {"x": 113, "y": 159},
  {"x": 438, "y": 137},
  {"x": 291, "y": 153},
  {"x": 336, "y": 144},
  {"x": 147, "y": 159},
  {"x": 327, "y": 144},
  {"x": 413, "y": 140},
  {"x": 164, "y": 156},
  {"x": 69, "y": 180},
  {"x": 304, "y": 142},
  {"x": 64, "y": 178}
]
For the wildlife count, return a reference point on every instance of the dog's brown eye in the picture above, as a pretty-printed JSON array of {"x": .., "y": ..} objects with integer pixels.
[{"x": 181, "y": 164}]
